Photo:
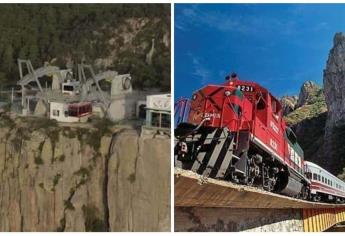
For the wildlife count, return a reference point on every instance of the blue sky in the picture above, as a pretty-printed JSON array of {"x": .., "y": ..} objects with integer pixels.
[{"x": 277, "y": 45}]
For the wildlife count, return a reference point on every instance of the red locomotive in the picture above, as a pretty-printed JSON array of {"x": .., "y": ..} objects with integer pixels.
[{"x": 236, "y": 132}]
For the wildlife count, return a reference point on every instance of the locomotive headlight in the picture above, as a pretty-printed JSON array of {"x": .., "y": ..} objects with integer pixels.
[
  {"x": 194, "y": 96},
  {"x": 227, "y": 93}
]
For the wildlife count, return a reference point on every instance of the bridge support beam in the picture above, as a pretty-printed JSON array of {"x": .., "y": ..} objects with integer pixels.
[{"x": 317, "y": 220}]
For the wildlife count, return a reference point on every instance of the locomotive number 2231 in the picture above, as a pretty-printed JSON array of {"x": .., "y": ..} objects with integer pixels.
[{"x": 245, "y": 88}]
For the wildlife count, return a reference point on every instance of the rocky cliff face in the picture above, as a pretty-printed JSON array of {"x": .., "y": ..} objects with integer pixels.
[
  {"x": 334, "y": 85},
  {"x": 334, "y": 82},
  {"x": 82, "y": 179}
]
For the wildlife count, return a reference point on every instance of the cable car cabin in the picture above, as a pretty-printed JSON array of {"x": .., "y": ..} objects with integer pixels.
[
  {"x": 73, "y": 112},
  {"x": 71, "y": 87}
]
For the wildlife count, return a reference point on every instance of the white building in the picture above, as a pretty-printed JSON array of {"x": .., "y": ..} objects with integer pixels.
[{"x": 158, "y": 110}]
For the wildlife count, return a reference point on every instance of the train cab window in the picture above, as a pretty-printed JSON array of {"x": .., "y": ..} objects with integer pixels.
[
  {"x": 276, "y": 107},
  {"x": 291, "y": 135}
]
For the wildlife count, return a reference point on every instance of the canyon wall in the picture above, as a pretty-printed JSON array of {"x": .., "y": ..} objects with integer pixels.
[
  {"x": 334, "y": 90},
  {"x": 79, "y": 179}
]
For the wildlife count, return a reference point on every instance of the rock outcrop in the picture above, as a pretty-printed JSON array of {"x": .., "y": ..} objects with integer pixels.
[
  {"x": 79, "y": 179},
  {"x": 308, "y": 90},
  {"x": 288, "y": 104},
  {"x": 308, "y": 93},
  {"x": 308, "y": 105}
]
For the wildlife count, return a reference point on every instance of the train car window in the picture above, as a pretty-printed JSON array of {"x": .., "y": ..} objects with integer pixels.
[
  {"x": 318, "y": 178},
  {"x": 323, "y": 180},
  {"x": 308, "y": 175},
  {"x": 314, "y": 176}
]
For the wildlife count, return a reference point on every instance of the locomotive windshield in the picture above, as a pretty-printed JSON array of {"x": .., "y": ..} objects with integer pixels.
[{"x": 291, "y": 135}]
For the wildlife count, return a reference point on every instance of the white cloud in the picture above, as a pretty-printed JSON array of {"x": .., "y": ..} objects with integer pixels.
[
  {"x": 200, "y": 71},
  {"x": 233, "y": 22}
]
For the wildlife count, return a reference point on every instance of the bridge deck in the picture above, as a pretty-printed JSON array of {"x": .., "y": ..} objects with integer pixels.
[{"x": 193, "y": 190}]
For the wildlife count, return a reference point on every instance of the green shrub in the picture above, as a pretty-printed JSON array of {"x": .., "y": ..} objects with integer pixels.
[
  {"x": 92, "y": 222},
  {"x": 38, "y": 160},
  {"x": 56, "y": 179},
  {"x": 61, "y": 158}
]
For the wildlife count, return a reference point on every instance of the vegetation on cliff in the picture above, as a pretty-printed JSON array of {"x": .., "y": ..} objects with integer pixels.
[
  {"x": 312, "y": 108},
  {"x": 113, "y": 36}
]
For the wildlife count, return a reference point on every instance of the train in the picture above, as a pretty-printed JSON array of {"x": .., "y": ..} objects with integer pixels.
[{"x": 236, "y": 132}]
